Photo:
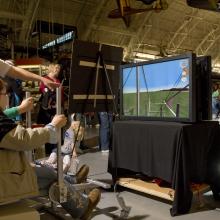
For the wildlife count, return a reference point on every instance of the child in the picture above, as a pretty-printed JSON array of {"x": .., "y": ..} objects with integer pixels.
[{"x": 68, "y": 149}]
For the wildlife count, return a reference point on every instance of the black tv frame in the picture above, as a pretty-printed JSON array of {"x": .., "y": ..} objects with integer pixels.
[
  {"x": 204, "y": 88},
  {"x": 192, "y": 90}
]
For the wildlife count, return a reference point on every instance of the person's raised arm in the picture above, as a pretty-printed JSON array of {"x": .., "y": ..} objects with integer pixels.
[
  {"x": 19, "y": 73},
  {"x": 26, "y": 105},
  {"x": 21, "y": 138}
]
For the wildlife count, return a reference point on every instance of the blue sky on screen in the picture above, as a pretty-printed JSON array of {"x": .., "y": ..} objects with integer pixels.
[{"x": 159, "y": 76}]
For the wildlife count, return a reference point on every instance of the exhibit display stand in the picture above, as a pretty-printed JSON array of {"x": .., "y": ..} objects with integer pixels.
[
  {"x": 170, "y": 143},
  {"x": 170, "y": 151}
]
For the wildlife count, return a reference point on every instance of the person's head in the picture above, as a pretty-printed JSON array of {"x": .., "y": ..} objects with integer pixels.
[
  {"x": 215, "y": 86},
  {"x": 54, "y": 70},
  {"x": 3, "y": 95}
]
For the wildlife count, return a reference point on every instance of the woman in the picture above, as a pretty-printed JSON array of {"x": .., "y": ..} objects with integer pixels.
[
  {"x": 18, "y": 179},
  {"x": 48, "y": 101},
  {"x": 48, "y": 97}
]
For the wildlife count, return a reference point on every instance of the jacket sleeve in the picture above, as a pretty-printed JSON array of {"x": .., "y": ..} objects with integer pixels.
[
  {"x": 21, "y": 139},
  {"x": 11, "y": 112}
]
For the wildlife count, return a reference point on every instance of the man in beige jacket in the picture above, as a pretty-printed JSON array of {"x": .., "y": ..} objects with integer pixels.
[{"x": 17, "y": 179}]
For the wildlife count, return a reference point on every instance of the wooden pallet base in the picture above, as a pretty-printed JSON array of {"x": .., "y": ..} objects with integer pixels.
[{"x": 155, "y": 190}]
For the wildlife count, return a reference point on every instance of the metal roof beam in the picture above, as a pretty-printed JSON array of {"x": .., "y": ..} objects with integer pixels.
[
  {"x": 114, "y": 30},
  {"x": 136, "y": 41},
  {"x": 29, "y": 20},
  {"x": 10, "y": 15},
  {"x": 208, "y": 41},
  {"x": 18, "y": 6},
  {"x": 217, "y": 58},
  {"x": 187, "y": 26},
  {"x": 89, "y": 26}
]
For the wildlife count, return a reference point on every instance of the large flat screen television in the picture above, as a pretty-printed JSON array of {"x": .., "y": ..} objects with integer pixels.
[{"x": 163, "y": 89}]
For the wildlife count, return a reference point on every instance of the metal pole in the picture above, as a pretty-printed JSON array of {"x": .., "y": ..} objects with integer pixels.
[
  {"x": 97, "y": 75},
  {"x": 110, "y": 87},
  {"x": 138, "y": 92},
  {"x": 177, "y": 110},
  {"x": 28, "y": 114},
  {"x": 59, "y": 159},
  {"x": 61, "y": 186},
  {"x": 28, "y": 125}
]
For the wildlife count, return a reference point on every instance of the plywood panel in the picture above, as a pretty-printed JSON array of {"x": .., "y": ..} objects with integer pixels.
[{"x": 155, "y": 190}]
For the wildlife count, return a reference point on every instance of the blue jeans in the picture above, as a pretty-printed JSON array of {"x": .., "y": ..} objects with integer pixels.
[
  {"x": 105, "y": 120},
  {"x": 215, "y": 106},
  {"x": 77, "y": 202}
]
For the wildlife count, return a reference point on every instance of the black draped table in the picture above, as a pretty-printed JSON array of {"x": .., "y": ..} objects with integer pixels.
[{"x": 174, "y": 152}]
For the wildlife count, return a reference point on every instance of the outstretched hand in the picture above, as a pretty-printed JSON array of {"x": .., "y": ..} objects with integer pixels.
[
  {"x": 59, "y": 121},
  {"x": 50, "y": 84},
  {"x": 26, "y": 105}
]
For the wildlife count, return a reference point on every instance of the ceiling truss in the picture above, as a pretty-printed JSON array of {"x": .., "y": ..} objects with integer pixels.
[
  {"x": 189, "y": 24},
  {"x": 189, "y": 30},
  {"x": 208, "y": 41}
]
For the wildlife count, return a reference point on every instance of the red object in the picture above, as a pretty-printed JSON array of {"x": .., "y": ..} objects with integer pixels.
[
  {"x": 161, "y": 183},
  {"x": 42, "y": 87},
  {"x": 158, "y": 181},
  {"x": 30, "y": 61},
  {"x": 37, "y": 125}
]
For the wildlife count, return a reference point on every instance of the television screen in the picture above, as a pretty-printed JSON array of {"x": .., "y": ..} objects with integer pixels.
[{"x": 162, "y": 89}]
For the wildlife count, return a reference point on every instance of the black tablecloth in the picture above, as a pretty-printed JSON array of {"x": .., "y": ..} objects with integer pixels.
[{"x": 174, "y": 152}]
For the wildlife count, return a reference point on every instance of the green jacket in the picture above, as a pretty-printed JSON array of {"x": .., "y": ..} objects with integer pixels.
[{"x": 11, "y": 112}]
